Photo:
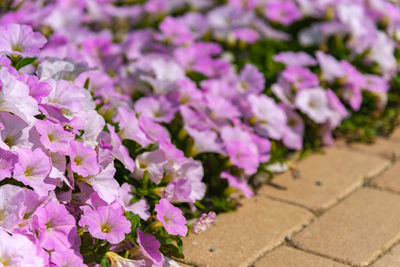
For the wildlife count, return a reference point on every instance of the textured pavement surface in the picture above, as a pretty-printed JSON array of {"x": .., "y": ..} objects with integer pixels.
[{"x": 342, "y": 209}]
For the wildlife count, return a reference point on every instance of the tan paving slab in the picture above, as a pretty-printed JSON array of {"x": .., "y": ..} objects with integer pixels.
[
  {"x": 391, "y": 259},
  {"x": 357, "y": 230},
  {"x": 323, "y": 179},
  {"x": 388, "y": 148},
  {"x": 390, "y": 179},
  {"x": 290, "y": 257},
  {"x": 239, "y": 238}
]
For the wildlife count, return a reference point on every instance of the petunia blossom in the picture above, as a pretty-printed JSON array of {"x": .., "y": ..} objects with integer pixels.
[
  {"x": 171, "y": 217},
  {"x": 106, "y": 222}
]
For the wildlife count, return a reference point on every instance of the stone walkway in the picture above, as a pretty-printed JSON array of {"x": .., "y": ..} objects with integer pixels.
[{"x": 343, "y": 209}]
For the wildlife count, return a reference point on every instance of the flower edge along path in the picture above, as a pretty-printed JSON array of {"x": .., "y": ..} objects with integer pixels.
[{"x": 119, "y": 125}]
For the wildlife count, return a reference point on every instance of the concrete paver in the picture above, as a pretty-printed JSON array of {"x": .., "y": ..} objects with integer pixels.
[
  {"x": 239, "y": 238},
  {"x": 357, "y": 230},
  {"x": 325, "y": 178},
  {"x": 290, "y": 257}
]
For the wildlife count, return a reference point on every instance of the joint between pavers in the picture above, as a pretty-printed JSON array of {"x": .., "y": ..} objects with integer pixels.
[
  {"x": 290, "y": 203},
  {"x": 384, "y": 253},
  {"x": 283, "y": 242},
  {"x": 293, "y": 245}
]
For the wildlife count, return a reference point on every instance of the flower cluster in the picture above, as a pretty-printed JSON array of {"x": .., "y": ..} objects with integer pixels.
[{"x": 117, "y": 119}]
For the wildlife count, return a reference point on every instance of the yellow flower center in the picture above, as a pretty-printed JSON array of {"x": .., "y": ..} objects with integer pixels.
[{"x": 105, "y": 228}]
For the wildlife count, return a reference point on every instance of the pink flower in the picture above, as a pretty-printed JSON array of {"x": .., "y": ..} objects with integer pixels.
[
  {"x": 284, "y": 12},
  {"x": 83, "y": 159},
  {"x": 251, "y": 80},
  {"x": 293, "y": 137},
  {"x": 7, "y": 161},
  {"x": 32, "y": 169},
  {"x": 15, "y": 98},
  {"x": 67, "y": 258},
  {"x": 247, "y": 35},
  {"x": 175, "y": 31},
  {"x": 300, "y": 77},
  {"x": 270, "y": 118},
  {"x": 203, "y": 222},
  {"x": 104, "y": 183},
  {"x": 140, "y": 207},
  {"x": 18, "y": 250},
  {"x": 171, "y": 218},
  {"x": 53, "y": 136},
  {"x": 149, "y": 247},
  {"x": 106, "y": 222},
  {"x": 11, "y": 206},
  {"x": 295, "y": 59},
  {"x": 15, "y": 132},
  {"x": 238, "y": 183},
  {"x": 158, "y": 109},
  {"x": 21, "y": 40},
  {"x": 314, "y": 103},
  {"x": 56, "y": 227}
]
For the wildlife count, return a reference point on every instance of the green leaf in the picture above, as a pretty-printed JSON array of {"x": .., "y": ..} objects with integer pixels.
[
  {"x": 104, "y": 262},
  {"x": 87, "y": 82},
  {"x": 24, "y": 62},
  {"x": 134, "y": 219}
]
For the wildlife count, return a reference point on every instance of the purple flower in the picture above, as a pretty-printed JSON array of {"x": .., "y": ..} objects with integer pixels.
[
  {"x": 270, "y": 118},
  {"x": 148, "y": 248},
  {"x": 203, "y": 222},
  {"x": 67, "y": 258},
  {"x": 284, "y": 12},
  {"x": 175, "y": 31},
  {"x": 251, "y": 80},
  {"x": 83, "y": 159},
  {"x": 18, "y": 250},
  {"x": 238, "y": 183},
  {"x": 171, "y": 218},
  {"x": 32, "y": 169},
  {"x": 331, "y": 68},
  {"x": 314, "y": 103},
  {"x": 247, "y": 35},
  {"x": 11, "y": 206},
  {"x": 20, "y": 40},
  {"x": 293, "y": 137},
  {"x": 56, "y": 227},
  {"x": 295, "y": 59},
  {"x": 7, "y": 161},
  {"x": 53, "y": 136},
  {"x": 106, "y": 222},
  {"x": 160, "y": 110},
  {"x": 241, "y": 149},
  {"x": 300, "y": 77},
  {"x": 140, "y": 207}
]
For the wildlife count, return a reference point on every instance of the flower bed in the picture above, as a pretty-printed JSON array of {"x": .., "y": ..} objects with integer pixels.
[{"x": 121, "y": 120}]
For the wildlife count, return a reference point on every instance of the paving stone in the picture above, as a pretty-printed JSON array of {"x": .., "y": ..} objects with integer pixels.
[
  {"x": 388, "y": 148},
  {"x": 290, "y": 257},
  {"x": 239, "y": 238},
  {"x": 391, "y": 259},
  {"x": 357, "y": 230},
  {"x": 390, "y": 179},
  {"x": 323, "y": 179}
]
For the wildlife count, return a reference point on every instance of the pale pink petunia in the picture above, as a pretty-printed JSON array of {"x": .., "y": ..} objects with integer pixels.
[
  {"x": 32, "y": 169},
  {"x": 140, "y": 207},
  {"x": 106, "y": 222},
  {"x": 83, "y": 159},
  {"x": 238, "y": 183},
  {"x": 56, "y": 228},
  {"x": 53, "y": 136},
  {"x": 11, "y": 206},
  {"x": 15, "y": 98},
  {"x": 171, "y": 218},
  {"x": 20, "y": 40},
  {"x": 314, "y": 103},
  {"x": 18, "y": 250}
]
